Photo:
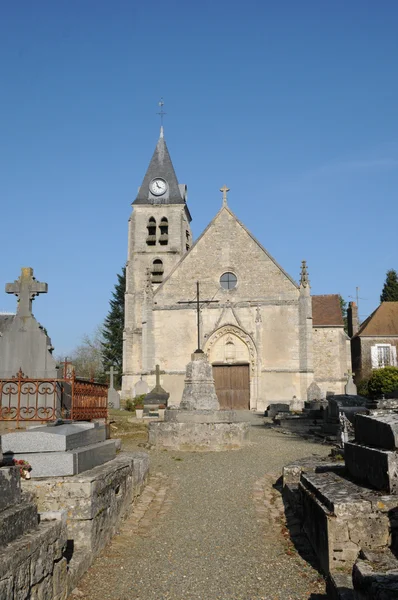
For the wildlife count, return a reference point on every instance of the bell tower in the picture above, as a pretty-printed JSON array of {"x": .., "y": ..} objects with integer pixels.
[{"x": 159, "y": 235}]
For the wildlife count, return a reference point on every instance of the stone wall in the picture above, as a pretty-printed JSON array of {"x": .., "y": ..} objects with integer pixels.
[
  {"x": 95, "y": 502},
  {"x": 33, "y": 566},
  {"x": 332, "y": 358}
]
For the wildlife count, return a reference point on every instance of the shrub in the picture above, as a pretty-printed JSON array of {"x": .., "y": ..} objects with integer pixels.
[
  {"x": 383, "y": 381},
  {"x": 363, "y": 388},
  {"x": 129, "y": 405},
  {"x": 139, "y": 401}
]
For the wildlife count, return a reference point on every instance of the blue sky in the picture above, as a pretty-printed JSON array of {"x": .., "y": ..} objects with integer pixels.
[{"x": 292, "y": 104}]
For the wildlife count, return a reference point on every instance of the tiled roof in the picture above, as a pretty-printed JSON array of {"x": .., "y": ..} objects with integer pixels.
[
  {"x": 383, "y": 321},
  {"x": 326, "y": 311}
]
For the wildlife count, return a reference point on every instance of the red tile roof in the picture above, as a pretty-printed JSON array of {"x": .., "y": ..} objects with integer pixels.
[
  {"x": 326, "y": 311},
  {"x": 383, "y": 321}
]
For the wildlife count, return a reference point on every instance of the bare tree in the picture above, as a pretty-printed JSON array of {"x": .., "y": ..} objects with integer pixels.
[{"x": 87, "y": 356}]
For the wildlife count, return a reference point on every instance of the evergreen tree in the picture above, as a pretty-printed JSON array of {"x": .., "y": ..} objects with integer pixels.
[
  {"x": 343, "y": 306},
  {"x": 390, "y": 289},
  {"x": 112, "y": 346}
]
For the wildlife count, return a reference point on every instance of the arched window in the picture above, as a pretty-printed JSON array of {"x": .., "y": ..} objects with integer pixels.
[
  {"x": 151, "y": 237},
  {"x": 164, "y": 231},
  {"x": 157, "y": 271}
]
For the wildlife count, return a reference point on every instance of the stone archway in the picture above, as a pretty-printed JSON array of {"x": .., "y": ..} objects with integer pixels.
[{"x": 233, "y": 355}]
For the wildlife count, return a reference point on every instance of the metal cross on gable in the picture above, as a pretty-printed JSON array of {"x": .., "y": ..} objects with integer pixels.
[
  {"x": 26, "y": 288},
  {"x": 198, "y": 301}
]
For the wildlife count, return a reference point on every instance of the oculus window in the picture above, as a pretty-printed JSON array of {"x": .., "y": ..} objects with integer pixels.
[{"x": 228, "y": 281}]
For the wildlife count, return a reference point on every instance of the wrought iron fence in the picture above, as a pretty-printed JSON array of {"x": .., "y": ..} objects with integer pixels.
[{"x": 42, "y": 400}]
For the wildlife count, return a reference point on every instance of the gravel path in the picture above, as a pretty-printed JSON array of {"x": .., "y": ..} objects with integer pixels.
[{"x": 210, "y": 526}]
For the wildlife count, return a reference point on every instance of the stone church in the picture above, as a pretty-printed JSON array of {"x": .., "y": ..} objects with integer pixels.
[{"x": 267, "y": 338}]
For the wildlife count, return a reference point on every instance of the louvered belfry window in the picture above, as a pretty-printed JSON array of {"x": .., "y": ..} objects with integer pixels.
[
  {"x": 151, "y": 227},
  {"x": 164, "y": 231},
  {"x": 157, "y": 271}
]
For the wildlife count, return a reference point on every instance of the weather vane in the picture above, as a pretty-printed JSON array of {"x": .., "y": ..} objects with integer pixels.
[{"x": 161, "y": 113}]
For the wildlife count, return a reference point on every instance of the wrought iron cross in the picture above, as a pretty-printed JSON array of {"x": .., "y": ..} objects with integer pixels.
[
  {"x": 197, "y": 302},
  {"x": 161, "y": 112},
  {"x": 26, "y": 288},
  {"x": 111, "y": 374}
]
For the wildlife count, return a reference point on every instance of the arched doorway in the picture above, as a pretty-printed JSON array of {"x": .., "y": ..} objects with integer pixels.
[{"x": 231, "y": 353}]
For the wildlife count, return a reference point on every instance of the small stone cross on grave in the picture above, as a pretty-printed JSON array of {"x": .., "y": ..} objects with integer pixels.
[
  {"x": 113, "y": 395},
  {"x": 350, "y": 387},
  {"x": 111, "y": 374},
  {"x": 26, "y": 288},
  {"x": 158, "y": 373}
]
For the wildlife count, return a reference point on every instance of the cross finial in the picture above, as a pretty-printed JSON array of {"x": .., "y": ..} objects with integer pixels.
[
  {"x": 304, "y": 279},
  {"x": 26, "y": 288},
  {"x": 161, "y": 113},
  {"x": 224, "y": 191}
]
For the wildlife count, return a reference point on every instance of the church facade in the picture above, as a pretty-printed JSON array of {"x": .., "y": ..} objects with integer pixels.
[{"x": 267, "y": 338}]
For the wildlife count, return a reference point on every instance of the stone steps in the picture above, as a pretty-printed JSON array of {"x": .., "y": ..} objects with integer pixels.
[{"x": 16, "y": 521}]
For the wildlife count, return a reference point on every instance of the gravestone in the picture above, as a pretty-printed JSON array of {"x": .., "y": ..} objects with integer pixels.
[
  {"x": 24, "y": 344},
  {"x": 140, "y": 388},
  {"x": 113, "y": 395},
  {"x": 314, "y": 393},
  {"x": 350, "y": 387},
  {"x": 276, "y": 408},
  {"x": 373, "y": 458},
  {"x": 158, "y": 395}
]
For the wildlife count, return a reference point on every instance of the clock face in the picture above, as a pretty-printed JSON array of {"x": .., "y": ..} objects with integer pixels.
[{"x": 158, "y": 186}]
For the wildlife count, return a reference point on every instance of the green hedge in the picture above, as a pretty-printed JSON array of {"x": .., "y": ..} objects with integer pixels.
[{"x": 383, "y": 381}]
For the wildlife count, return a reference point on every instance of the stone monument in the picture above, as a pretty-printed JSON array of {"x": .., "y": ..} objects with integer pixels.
[
  {"x": 113, "y": 395},
  {"x": 199, "y": 424},
  {"x": 24, "y": 344}
]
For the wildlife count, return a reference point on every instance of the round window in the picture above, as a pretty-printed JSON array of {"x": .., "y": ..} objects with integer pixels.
[{"x": 228, "y": 281}]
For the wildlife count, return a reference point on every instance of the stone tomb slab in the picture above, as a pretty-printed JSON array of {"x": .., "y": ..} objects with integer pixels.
[
  {"x": 380, "y": 431},
  {"x": 71, "y": 462},
  {"x": 372, "y": 466},
  {"x": 60, "y": 438},
  {"x": 340, "y": 518}
]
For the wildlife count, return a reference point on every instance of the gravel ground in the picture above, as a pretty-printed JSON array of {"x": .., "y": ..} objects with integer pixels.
[{"x": 210, "y": 526}]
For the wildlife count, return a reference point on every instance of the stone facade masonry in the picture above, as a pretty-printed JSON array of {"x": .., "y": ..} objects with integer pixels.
[
  {"x": 332, "y": 358},
  {"x": 266, "y": 318}
]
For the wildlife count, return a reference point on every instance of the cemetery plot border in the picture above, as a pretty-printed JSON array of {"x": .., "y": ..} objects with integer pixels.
[{"x": 42, "y": 400}]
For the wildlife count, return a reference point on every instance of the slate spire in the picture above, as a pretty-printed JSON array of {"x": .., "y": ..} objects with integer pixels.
[{"x": 161, "y": 168}]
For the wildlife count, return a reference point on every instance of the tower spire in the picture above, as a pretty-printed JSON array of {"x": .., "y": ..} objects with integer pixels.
[
  {"x": 304, "y": 279},
  {"x": 161, "y": 113}
]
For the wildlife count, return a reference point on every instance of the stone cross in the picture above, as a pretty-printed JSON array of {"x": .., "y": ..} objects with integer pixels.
[
  {"x": 26, "y": 288},
  {"x": 111, "y": 374},
  {"x": 158, "y": 372},
  {"x": 224, "y": 191}
]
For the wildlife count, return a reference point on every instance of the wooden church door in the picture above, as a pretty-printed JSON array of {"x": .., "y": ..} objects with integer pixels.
[{"x": 232, "y": 386}]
